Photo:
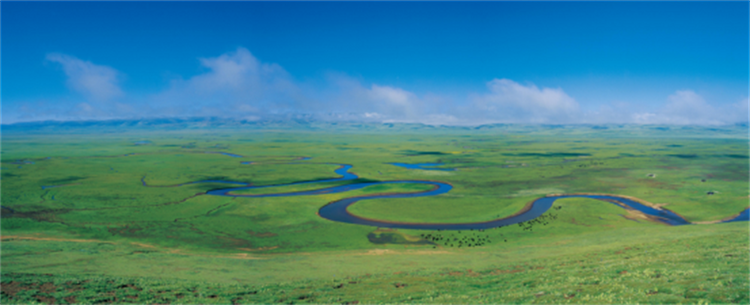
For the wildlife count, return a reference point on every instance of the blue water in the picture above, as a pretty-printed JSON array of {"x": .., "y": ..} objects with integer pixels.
[
  {"x": 743, "y": 216},
  {"x": 44, "y": 187},
  {"x": 343, "y": 170},
  {"x": 337, "y": 210},
  {"x": 422, "y": 166},
  {"x": 228, "y": 154},
  {"x": 9, "y": 209}
]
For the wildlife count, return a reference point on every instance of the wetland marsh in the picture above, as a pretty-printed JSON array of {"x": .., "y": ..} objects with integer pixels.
[{"x": 183, "y": 222}]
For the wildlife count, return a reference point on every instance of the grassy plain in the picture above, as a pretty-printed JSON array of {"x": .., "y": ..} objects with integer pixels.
[{"x": 100, "y": 235}]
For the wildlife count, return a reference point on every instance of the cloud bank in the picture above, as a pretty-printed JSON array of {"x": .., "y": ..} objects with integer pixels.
[
  {"x": 512, "y": 102},
  {"x": 238, "y": 85},
  {"x": 95, "y": 82},
  {"x": 687, "y": 107}
]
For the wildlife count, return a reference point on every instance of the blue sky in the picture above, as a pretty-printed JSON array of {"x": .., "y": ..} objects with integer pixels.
[{"x": 430, "y": 62}]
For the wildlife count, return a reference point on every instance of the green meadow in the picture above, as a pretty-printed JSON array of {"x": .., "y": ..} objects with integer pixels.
[{"x": 111, "y": 216}]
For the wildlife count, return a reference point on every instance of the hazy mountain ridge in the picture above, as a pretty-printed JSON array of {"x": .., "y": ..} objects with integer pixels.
[{"x": 310, "y": 124}]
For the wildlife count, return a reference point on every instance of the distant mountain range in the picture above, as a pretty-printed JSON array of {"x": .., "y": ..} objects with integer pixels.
[{"x": 322, "y": 125}]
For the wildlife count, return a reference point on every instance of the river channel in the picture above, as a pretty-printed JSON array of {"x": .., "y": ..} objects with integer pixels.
[{"x": 337, "y": 210}]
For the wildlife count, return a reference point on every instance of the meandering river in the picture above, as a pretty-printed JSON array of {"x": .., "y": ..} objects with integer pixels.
[{"x": 337, "y": 210}]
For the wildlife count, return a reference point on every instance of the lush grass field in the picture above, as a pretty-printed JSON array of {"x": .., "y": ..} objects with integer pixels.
[{"x": 79, "y": 226}]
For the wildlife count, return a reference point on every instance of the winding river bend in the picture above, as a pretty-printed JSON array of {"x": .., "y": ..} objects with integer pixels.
[{"x": 337, "y": 210}]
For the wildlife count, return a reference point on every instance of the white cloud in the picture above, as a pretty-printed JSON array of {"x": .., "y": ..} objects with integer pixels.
[
  {"x": 435, "y": 120},
  {"x": 643, "y": 118},
  {"x": 738, "y": 112},
  {"x": 685, "y": 107},
  {"x": 237, "y": 84},
  {"x": 346, "y": 94},
  {"x": 509, "y": 101},
  {"x": 238, "y": 71},
  {"x": 95, "y": 82},
  {"x": 391, "y": 96},
  {"x": 394, "y": 101}
]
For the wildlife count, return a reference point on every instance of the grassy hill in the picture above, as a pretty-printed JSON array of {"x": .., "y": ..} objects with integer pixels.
[{"x": 80, "y": 226}]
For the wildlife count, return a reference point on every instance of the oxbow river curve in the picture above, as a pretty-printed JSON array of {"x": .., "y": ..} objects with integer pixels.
[{"x": 337, "y": 210}]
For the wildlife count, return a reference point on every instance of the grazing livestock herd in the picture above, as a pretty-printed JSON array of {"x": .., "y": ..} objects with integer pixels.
[{"x": 475, "y": 240}]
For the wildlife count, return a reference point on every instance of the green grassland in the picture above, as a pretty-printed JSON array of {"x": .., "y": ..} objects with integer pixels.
[{"x": 101, "y": 235}]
